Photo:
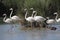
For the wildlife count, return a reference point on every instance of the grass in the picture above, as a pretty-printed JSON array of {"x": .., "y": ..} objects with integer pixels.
[{"x": 39, "y": 5}]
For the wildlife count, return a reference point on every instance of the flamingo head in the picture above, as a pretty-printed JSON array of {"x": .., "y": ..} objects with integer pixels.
[
  {"x": 4, "y": 14},
  {"x": 55, "y": 13},
  {"x": 11, "y": 8},
  {"x": 25, "y": 9},
  {"x": 47, "y": 17},
  {"x": 31, "y": 8},
  {"x": 34, "y": 11}
]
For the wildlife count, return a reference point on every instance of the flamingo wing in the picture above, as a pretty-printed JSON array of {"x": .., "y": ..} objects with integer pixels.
[
  {"x": 39, "y": 18},
  {"x": 30, "y": 19},
  {"x": 15, "y": 18},
  {"x": 50, "y": 21}
]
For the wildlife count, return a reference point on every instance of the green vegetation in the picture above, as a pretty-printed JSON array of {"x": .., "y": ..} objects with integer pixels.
[{"x": 43, "y": 7}]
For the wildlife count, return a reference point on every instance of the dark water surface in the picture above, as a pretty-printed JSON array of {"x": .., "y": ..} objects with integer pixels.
[{"x": 29, "y": 35}]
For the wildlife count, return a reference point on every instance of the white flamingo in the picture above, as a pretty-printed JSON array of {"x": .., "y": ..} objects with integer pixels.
[
  {"x": 38, "y": 19},
  {"x": 50, "y": 21},
  {"x": 14, "y": 18},
  {"x": 7, "y": 20},
  {"x": 57, "y": 19},
  {"x": 29, "y": 19},
  {"x": 53, "y": 21}
]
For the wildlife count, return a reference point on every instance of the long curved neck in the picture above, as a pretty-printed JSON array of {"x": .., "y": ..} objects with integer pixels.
[
  {"x": 26, "y": 14},
  {"x": 56, "y": 17},
  {"x": 11, "y": 13},
  {"x": 33, "y": 14},
  {"x": 4, "y": 18}
]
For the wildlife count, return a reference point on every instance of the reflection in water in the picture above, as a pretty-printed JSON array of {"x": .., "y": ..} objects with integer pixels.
[{"x": 29, "y": 35}]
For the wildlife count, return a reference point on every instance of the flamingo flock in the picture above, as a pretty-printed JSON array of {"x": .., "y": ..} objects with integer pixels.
[
  {"x": 12, "y": 19},
  {"x": 33, "y": 18}
]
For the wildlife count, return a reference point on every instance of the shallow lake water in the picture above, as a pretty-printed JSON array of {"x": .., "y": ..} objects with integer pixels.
[{"x": 28, "y": 35}]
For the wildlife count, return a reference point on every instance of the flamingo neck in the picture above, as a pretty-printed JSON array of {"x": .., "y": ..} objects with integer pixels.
[
  {"x": 26, "y": 14},
  {"x": 4, "y": 18},
  {"x": 11, "y": 13},
  {"x": 56, "y": 17},
  {"x": 33, "y": 14}
]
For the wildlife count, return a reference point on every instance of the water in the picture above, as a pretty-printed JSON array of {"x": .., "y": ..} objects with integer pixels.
[{"x": 29, "y": 35}]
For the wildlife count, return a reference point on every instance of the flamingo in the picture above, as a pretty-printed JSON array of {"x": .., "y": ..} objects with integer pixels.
[
  {"x": 38, "y": 19},
  {"x": 8, "y": 20},
  {"x": 50, "y": 21},
  {"x": 29, "y": 19},
  {"x": 53, "y": 21},
  {"x": 57, "y": 19},
  {"x": 14, "y": 18}
]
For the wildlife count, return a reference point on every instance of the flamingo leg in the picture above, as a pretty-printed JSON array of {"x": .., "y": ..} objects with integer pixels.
[
  {"x": 13, "y": 27},
  {"x": 45, "y": 25},
  {"x": 36, "y": 23},
  {"x": 52, "y": 24},
  {"x": 10, "y": 28},
  {"x": 31, "y": 25},
  {"x": 39, "y": 25}
]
